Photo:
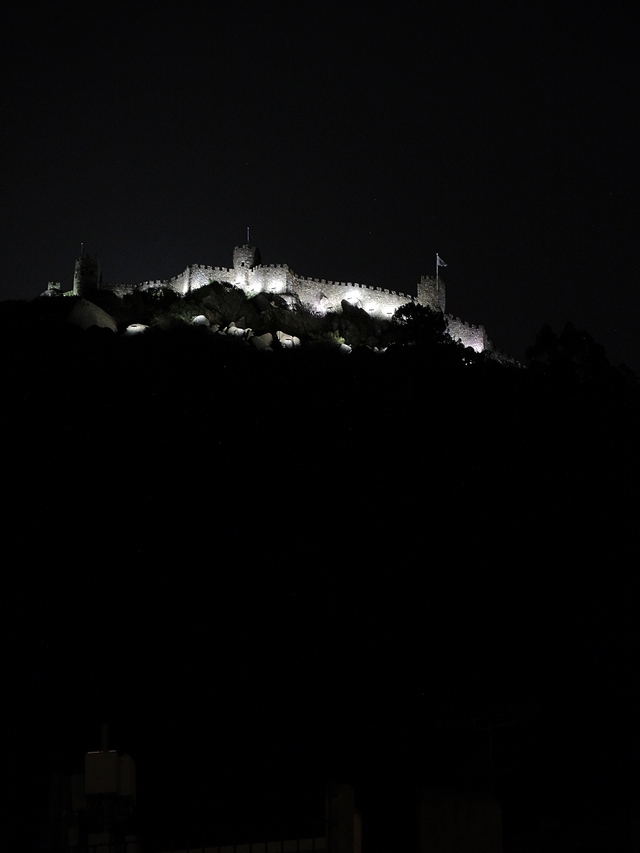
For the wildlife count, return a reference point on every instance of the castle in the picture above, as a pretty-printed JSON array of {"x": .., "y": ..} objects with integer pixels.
[{"x": 318, "y": 295}]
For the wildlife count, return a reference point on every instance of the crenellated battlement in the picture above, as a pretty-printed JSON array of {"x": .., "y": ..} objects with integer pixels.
[{"x": 319, "y": 295}]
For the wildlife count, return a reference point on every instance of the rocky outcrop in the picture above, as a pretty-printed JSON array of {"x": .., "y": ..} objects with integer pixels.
[{"x": 85, "y": 314}]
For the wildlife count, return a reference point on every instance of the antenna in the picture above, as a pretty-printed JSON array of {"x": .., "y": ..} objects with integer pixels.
[{"x": 248, "y": 236}]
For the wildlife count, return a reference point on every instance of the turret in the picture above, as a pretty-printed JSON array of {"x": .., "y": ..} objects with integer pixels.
[
  {"x": 245, "y": 257},
  {"x": 87, "y": 276},
  {"x": 431, "y": 292}
]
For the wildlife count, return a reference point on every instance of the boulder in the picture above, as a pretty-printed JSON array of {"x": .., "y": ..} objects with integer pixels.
[
  {"x": 287, "y": 341},
  {"x": 135, "y": 329},
  {"x": 263, "y": 342},
  {"x": 85, "y": 314},
  {"x": 279, "y": 300},
  {"x": 290, "y": 300},
  {"x": 200, "y": 320},
  {"x": 354, "y": 312},
  {"x": 234, "y": 331},
  {"x": 261, "y": 302}
]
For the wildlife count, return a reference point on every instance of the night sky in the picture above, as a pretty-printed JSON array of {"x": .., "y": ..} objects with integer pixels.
[
  {"x": 355, "y": 144},
  {"x": 266, "y": 580}
]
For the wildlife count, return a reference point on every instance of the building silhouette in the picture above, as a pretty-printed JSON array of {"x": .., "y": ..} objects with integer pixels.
[{"x": 94, "y": 812}]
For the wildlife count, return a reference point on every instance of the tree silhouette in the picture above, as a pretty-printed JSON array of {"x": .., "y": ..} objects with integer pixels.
[
  {"x": 573, "y": 354},
  {"x": 420, "y": 325}
]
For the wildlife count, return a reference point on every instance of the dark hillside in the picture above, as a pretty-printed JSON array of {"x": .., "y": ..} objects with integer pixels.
[{"x": 314, "y": 566}]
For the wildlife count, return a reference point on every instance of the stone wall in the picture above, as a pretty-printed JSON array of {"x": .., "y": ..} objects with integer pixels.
[
  {"x": 468, "y": 334},
  {"x": 318, "y": 295},
  {"x": 322, "y": 296},
  {"x": 431, "y": 292}
]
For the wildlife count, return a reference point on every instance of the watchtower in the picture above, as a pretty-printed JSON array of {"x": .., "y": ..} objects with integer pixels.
[
  {"x": 87, "y": 276},
  {"x": 431, "y": 292},
  {"x": 245, "y": 257}
]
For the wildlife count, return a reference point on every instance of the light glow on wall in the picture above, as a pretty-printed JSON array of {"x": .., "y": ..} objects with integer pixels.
[{"x": 316, "y": 295}]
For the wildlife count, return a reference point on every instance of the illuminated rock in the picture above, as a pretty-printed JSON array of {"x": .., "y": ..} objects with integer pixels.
[
  {"x": 288, "y": 341},
  {"x": 262, "y": 342},
  {"x": 233, "y": 330},
  {"x": 200, "y": 320},
  {"x": 85, "y": 314},
  {"x": 135, "y": 329}
]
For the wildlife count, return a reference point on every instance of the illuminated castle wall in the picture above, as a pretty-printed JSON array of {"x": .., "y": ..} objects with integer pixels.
[{"x": 318, "y": 295}]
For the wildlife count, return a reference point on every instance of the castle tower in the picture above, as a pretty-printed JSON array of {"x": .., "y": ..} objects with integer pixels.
[
  {"x": 431, "y": 292},
  {"x": 87, "y": 276},
  {"x": 245, "y": 258}
]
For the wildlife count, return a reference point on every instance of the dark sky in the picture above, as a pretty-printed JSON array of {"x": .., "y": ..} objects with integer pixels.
[{"x": 355, "y": 143}]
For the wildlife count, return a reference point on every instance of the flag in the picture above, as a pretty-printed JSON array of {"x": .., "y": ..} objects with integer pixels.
[{"x": 439, "y": 261}]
